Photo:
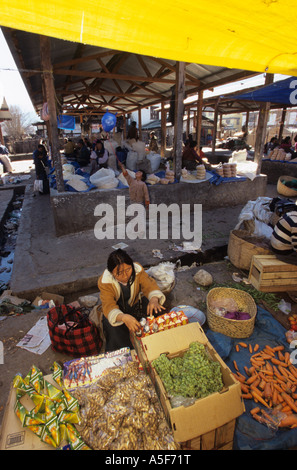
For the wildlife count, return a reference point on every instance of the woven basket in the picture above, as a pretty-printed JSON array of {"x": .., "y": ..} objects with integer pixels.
[
  {"x": 283, "y": 189},
  {"x": 226, "y": 326},
  {"x": 241, "y": 251}
]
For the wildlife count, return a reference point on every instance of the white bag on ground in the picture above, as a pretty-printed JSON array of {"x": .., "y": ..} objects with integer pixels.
[
  {"x": 155, "y": 160},
  {"x": 131, "y": 162},
  {"x": 104, "y": 179},
  {"x": 255, "y": 217},
  {"x": 163, "y": 274}
]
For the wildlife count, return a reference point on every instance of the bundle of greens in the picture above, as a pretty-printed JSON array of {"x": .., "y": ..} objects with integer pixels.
[{"x": 193, "y": 375}]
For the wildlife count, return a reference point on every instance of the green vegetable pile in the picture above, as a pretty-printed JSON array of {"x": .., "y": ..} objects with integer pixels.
[{"x": 193, "y": 375}]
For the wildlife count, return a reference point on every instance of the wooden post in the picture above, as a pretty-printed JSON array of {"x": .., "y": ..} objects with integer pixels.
[
  {"x": 124, "y": 127},
  {"x": 179, "y": 114},
  {"x": 163, "y": 129},
  {"x": 139, "y": 124},
  {"x": 188, "y": 122},
  {"x": 282, "y": 124},
  {"x": 199, "y": 118},
  {"x": 215, "y": 126},
  {"x": 261, "y": 128},
  {"x": 46, "y": 65}
]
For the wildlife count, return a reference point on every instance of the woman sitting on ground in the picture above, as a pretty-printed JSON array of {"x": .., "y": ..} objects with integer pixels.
[{"x": 120, "y": 287}]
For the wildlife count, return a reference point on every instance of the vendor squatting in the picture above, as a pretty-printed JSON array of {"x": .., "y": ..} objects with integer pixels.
[{"x": 172, "y": 219}]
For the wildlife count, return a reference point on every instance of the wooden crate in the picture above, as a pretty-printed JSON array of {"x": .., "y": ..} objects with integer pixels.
[
  {"x": 218, "y": 439},
  {"x": 269, "y": 274}
]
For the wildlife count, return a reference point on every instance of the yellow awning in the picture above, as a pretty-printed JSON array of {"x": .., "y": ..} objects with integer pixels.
[{"x": 256, "y": 35}]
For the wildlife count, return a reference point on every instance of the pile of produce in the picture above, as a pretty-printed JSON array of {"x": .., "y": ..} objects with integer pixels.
[
  {"x": 271, "y": 382},
  {"x": 121, "y": 411},
  {"x": 194, "y": 375}
]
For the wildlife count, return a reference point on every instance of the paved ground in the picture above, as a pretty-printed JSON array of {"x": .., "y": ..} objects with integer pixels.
[{"x": 71, "y": 265}]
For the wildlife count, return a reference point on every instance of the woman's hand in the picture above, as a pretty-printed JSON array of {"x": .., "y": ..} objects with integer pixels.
[
  {"x": 131, "y": 323},
  {"x": 154, "y": 306}
]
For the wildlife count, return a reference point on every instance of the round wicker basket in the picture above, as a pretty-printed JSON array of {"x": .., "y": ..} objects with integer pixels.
[
  {"x": 283, "y": 189},
  {"x": 241, "y": 251},
  {"x": 226, "y": 326}
]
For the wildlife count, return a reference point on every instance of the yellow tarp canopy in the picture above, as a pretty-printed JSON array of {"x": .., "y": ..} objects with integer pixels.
[{"x": 256, "y": 35}]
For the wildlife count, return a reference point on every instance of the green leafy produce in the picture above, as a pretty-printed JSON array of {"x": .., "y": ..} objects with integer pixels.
[{"x": 193, "y": 375}]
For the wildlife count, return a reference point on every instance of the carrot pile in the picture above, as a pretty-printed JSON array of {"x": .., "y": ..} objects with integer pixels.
[{"x": 271, "y": 380}]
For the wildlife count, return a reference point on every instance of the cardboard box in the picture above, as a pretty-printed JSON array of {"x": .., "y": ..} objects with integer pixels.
[
  {"x": 206, "y": 414},
  {"x": 58, "y": 299},
  {"x": 218, "y": 439},
  {"x": 269, "y": 274}
]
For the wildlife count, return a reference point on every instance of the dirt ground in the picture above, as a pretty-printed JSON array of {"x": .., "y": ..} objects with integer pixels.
[
  {"x": 14, "y": 328},
  {"x": 185, "y": 292}
]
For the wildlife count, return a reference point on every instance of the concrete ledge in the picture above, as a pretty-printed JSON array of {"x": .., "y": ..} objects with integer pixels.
[
  {"x": 74, "y": 212},
  {"x": 275, "y": 169}
]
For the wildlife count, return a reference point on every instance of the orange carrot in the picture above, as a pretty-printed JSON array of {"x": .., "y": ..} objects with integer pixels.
[
  {"x": 243, "y": 345},
  {"x": 236, "y": 366},
  {"x": 247, "y": 371},
  {"x": 269, "y": 354},
  {"x": 279, "y": 363},
  {"x": 240, "y": 379},
  {"x": 279, "y": 348},
  {"x": 275, "y": 398},
  {"x": 267, "y": 391},
  {"x": 287, "y": 358},
  {"x": 244, "y": 388},
  {"x": 281, "y": 356},
  {"x": 288, "y": 421},
  {"x": 247, "y": 396},
  {"x": 237, "y": 348},
  {"x": 289, "y": 401},
  {"x": 251, "y": 379},
  {"x": 250, "y": 348},
  {"x": 259, "y": 398},
  {"x": 256, "y": 347},
  {"x": 269, "y": 366},
  {"x": 255, "y": 410},
  {"x": 293, "y": 370}
]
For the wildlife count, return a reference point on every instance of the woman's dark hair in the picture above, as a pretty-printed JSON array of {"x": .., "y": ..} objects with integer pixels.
[
  {"x": 101, "y": 151},
  {"x": 143, "y": 178},
  {"x": 118, "y": 257}
]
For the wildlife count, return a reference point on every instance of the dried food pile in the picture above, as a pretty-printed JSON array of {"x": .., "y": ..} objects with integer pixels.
[{"x": 121, "y": 411}]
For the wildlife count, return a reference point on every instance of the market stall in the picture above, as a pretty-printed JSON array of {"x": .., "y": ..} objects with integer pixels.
[{"x": 224, "y": 380}]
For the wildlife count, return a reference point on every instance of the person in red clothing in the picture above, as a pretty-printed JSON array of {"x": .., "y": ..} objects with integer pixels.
[{"x": 190, "y": 157}]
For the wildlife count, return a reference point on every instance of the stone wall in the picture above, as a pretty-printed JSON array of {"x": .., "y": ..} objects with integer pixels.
[
  {"x": 275, "y": 169},
  {"x": 74, "y": 212}
]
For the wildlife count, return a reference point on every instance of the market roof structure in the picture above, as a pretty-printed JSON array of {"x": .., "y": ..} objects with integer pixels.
[{"x": 90, "y": 80}]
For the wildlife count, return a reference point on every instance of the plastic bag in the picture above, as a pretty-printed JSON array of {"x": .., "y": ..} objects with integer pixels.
[
  {"x": 104, "y": 179},
  {"x": 163, "y": 274},
  {"x": 131, "y": 162},
  {"x": 155, "y": 160}
]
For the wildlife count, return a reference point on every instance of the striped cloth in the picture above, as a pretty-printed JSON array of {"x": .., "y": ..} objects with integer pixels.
[{"x": 284, "y": 236}]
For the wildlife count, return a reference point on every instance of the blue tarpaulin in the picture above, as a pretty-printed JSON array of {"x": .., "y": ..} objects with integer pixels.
[
  {"x": 66, "y": 122},
  {"x": 249, "y": 434},
  {"x": 282, "y": 92}
]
